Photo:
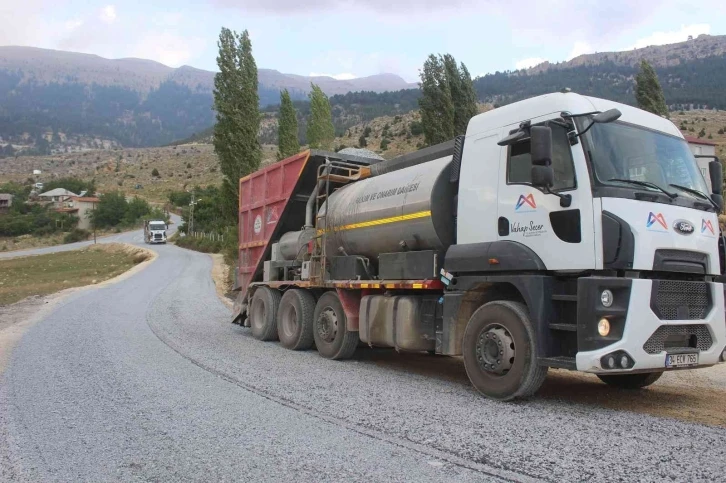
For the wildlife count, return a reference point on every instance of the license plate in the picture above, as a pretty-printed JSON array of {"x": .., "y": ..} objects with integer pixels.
[{"x": 681, "y": 360}]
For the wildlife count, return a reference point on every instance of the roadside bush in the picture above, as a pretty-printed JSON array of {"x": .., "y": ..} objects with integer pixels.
[
  {"x": 416, "y": 128},
  {"x": 76, "y": 235}
]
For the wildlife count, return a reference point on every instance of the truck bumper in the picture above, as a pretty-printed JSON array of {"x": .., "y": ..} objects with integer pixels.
[{"x": 647, "y": 337}]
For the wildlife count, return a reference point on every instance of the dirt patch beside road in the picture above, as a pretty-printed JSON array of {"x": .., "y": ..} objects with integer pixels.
[{"x": 44, "y": 274}]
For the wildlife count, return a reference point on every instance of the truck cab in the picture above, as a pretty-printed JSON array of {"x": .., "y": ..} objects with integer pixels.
[
  {"x": 155, "y": 231},
  {"x": 616, "y": 253}
]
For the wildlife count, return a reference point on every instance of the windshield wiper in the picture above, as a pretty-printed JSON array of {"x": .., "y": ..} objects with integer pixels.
[
  {"x": 648, "y": 184},
  {"x": 696, "y": 193}
]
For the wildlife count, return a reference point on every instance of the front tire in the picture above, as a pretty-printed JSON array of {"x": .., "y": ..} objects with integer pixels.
[
  {"x": 295, "y": 319},
  {"x": 332, "y": 337},
  {"x": 630, "y": 381},
  {"x": 263, "y": 313},
  {"x": 500, "y": 351}
]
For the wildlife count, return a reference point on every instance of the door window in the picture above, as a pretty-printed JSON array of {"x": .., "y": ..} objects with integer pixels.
[{"x": 519, "y": 161}]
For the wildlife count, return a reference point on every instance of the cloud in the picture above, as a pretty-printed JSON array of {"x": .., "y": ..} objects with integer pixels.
[
  {"x": 73, "y": 23},
  {"x": 343, "y": 76},
  {"x": 108, "y": 14},
  {"x": 580, "y": 48},
  {"x": 672, "y": 37},
  {"x": 168, "y": 47},
  {"x": 529, "y": 62}
]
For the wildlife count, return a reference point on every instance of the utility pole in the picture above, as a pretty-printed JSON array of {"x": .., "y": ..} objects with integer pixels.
[
  {"x": 94, "y": 222},
  {"x": 191, "y": 216}
]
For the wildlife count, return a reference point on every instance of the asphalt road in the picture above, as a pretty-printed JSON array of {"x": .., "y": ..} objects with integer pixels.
[
  {"x": 135, "y": 236},
  {"x": 147, "y": 380}
]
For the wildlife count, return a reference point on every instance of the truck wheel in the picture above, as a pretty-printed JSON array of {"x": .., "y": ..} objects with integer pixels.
[
  {"x": 263, "y": 313},
  {"x": 500, "y": 352},
  {"x": 295, "y": 319},
  {"x": 630, "y": 381},
  {"x": 332, "y": 337}
]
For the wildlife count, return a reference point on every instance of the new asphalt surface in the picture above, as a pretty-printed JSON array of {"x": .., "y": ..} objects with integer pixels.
[{"x": 146, "y": 380}]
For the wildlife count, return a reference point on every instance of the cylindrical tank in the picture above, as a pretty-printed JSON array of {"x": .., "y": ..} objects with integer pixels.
[
  {"x": 413, "y": 205},
  {"x": 292, "y": 243}
]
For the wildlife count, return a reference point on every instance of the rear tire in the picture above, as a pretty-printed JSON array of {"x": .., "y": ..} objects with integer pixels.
[
  {"x": 500, "y": 351},
  {"x": 630, "y": 381},
  {"x": 263, "y": 313},
  {"x": 295, "y": 319},
  {"x": 332, "y": 337}
]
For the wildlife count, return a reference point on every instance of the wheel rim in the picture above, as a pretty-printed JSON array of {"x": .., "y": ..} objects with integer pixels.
[
  {"x": 258, "y": 313},
  {"x": 327, "y": 325},
  {"x": 495, "y": 350},
  {"x": 289, "y": 321}
]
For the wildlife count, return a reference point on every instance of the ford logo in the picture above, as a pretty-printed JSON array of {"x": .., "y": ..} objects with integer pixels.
[{"x": 683, "y": 227}]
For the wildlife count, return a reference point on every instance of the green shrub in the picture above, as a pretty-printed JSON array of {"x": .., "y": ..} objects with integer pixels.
[
  {"x": 76, "y": 235},
  {"x": 416, "y": 128}
]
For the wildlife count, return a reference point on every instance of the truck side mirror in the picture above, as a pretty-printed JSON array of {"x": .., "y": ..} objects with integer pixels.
[
  {"x": 541, "y": 145},
  {"x": 543, "y": 176},
  {"x": 715, "y": 171},
  {"x": 718, "y": 199}
]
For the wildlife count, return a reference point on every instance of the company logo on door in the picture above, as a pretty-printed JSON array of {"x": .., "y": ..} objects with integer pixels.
[
  {"x": 533, "y": 229},
  {"x": 525, "y": 203},
  {"x": 656, "y": 222},
  {"x": 706, "y": 227}
]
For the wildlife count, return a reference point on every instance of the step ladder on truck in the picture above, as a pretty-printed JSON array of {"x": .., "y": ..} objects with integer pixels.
[{"x": 561, "y": 231}]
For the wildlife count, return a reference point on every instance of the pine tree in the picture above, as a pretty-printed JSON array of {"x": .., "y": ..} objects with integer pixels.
[
  {"x": 287, "y": 127},
  {"x": 437, "y": 107},
  {"x": 648, "y": 91},
  {"x": 320, "y": 131},
  {"x": 236, "y": 102}
]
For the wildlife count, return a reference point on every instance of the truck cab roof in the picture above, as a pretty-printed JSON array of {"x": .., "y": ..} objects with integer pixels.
[{"x": 546, "y": 105}]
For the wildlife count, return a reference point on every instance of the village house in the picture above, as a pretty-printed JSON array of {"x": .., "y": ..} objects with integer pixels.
[
  {"x": 82, "y": 207},
  {"x": 702, "y": 147},
  {"x": 6, "y": 201},
  {"x": 56, "y": 196}
]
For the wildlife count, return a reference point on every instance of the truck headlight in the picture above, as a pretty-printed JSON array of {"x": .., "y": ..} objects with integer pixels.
[
  {"x": 603, "y": 327},
  {"x": 606, "y": 297}
]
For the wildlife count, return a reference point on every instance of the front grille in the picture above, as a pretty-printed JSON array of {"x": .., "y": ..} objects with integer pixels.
[
  {"x": 679, "y": 300},
  {"x": 676, "y": 337}
]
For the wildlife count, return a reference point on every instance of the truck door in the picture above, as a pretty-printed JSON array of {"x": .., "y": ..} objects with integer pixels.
[{"x": 562, "y": 236}]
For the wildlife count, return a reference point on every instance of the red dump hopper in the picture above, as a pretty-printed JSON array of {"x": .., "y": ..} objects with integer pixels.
[{"x": 263, "y": 203}]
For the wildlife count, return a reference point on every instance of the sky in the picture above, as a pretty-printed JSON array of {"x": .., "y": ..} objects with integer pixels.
[{"x": 356, "y": 38}]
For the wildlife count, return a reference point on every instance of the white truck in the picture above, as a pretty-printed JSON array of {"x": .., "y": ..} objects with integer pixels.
[
  {"x": 561, "y": 231},
  {"x": 155, "y": 231}
]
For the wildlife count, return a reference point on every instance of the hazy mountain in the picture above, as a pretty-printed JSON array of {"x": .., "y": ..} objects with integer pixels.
[{"x": 54, "y": 66}]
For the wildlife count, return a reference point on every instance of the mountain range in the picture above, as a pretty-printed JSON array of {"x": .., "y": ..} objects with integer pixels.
[{"x": 53, "y": 101}]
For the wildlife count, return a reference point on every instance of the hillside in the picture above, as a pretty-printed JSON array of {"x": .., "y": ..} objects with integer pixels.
[{"x": 53, "y": 101}]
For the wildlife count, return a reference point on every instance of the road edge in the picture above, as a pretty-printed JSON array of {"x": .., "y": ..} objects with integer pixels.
[{"x": 10, "y": 336}]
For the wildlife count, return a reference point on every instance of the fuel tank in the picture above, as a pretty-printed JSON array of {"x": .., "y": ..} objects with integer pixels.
[{"x": 407, "y": 209}]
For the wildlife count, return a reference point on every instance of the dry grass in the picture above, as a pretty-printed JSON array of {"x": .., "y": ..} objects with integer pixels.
[
  {"x": 46, "y": 274},
  {"x": 24, "y": 242}
]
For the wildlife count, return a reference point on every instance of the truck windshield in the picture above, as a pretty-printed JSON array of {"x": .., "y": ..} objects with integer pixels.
[
  {"x": 620, "y": 151},
  {"x": 157, "y": 226}
]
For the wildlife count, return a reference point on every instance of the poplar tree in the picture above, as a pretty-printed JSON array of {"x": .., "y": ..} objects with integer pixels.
[
  {"x": 648, "y": 91},
  {"x": 448, "y": 99},
  {"x": 469, "y": 107},
  {"x": 320, "y": 131},
  {"x": 236, "y": 102},
  {"x": 287, "y": 127},
  {"x": 437, "y": 106}
]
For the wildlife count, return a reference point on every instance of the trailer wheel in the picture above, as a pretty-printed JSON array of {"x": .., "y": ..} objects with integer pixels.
[
  {"x": 630, "y": 381},
  {"x": 295, "y": 319},
  {"x": 500, "y": 352},
  {"x": 263, "y": 313},
  {"x": 332, "y": 337}
]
